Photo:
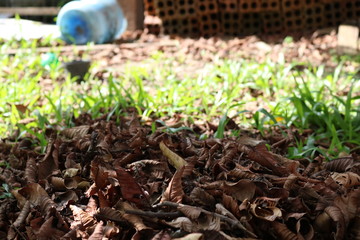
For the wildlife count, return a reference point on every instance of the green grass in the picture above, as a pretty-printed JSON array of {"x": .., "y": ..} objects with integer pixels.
[{"x": 323, "y": 101}]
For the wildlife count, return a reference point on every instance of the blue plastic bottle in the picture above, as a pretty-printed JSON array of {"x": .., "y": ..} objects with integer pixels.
[{"x": 86, "y": 21}]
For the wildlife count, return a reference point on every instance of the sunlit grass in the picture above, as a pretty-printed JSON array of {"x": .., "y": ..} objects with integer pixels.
[{"x": 311, "y": 98}]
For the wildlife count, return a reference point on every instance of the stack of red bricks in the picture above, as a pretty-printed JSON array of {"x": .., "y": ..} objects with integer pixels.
[{"x": 243, "y": 17}]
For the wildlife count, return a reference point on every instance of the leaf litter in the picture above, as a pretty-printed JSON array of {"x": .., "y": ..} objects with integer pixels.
[{"x": 104, "y": 180}]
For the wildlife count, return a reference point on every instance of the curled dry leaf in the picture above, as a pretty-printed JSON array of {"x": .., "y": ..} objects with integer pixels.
[
  {"x": 98, "y": 233},
  {"x": 348, "y": 179},
  {"x": 338, "y": 217},
  {"x": 136, "y": 221},
  {"x": 82, "y": 219},
  {"x": 130, "y": 189},
  {"x": 174, "y": 192},
  {"x": 282, "y": 231},
  {"x": 34, "y": 193},
  {"x": 200, "y": 196},
  {"x": 76, "y": 132},
  {"x": 150, "y": 167},
  {"x": 305, "y": 229},
  {"x": 190, "y": 211},
  {"x": 175, "y": 160},
  {"x": 183, "y": 223},
  {"x": 48, "y": 228},
  {"x": 265, "y": 208},
  {"x": 223, "y": 211},
  {"x": 241, "y": 190},
  {"x": 108, "y": 213},
  {"x": 31, "y": 171},
  {"x": 23, "y": 214},
  {"x": 191, "y": 236},
  {"x": 340, "y": 165},
  {"x": 231, "y": 204},
  {"x": 162, "y": 235}
]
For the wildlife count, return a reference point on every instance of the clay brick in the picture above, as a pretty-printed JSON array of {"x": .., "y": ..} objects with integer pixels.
[
  {"x": 231, "y": 23},
  {"x": 294, "y": 20},
  {"x": 270, "y": 5},
  {"x": 228, "y": 6},
  {"x": 251, "y": 23},
  {"x": 149, "y": 7},
  {"x": 206, "y": 6},
  {"x": 333, "y": 14},
  {"x": 314, "y": 17},
  {"x": 272, "y": 22},
  {"x": 250, "y": 6},
  {"x": 186, "y": 8},
  {"x": 288, "y": 5}
]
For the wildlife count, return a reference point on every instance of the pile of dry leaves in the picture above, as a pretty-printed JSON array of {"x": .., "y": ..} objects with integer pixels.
[{"x": 119, "y": 180}]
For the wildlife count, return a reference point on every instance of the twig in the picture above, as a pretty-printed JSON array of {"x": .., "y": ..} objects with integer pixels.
[
  {"x": 155, "y": 214},
  {"x": 222, "y": 217}
]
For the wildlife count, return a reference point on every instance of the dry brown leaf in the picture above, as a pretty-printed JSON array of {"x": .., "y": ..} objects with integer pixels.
[
  {"x": 162, "y": 235},
  {"x": 174, "y": 192},
  {"x": 340, "y": 165},
  {"x": 223, "y": 211},
  {"x": 50, "y": 162},
  {"x": 175, "y": 160},
  {"x": 108, "y": 213},
  {"x": 31, "y": 171},
  {"x": 338, "y": 217},
  {"x": 34, "y": 193},
  {"x": 183, "y": 223},
  {"x": 200, "y": 196},
  {"x": 283, "y": 232},
  {"x": 76, "y": 132},
  {"x": 135, "y": 220},
  {"x": 348, "y": 179},
  {"x": 23, "y": 214},
  {"x": 265, "y": 208},
  {"x": 98, "y": 233},
  {"x": 190, "y": 211},
  {"x": 82, "y": 219},
  {"x": 241, "y": 190},
  {"x": 191, "y": 236},
  {"x": 231, "y": 204},
  {"x": 48, "y": 229},
  {"x": 130, "y": 189},
  {"x": 305, "y": 229}
]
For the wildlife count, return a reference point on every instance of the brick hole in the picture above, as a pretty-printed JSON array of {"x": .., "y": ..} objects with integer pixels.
[
  {"x": 191, "y": 10},
  {"x": 190, "y": 2},
  {"x": 204, "y": 18},
  {"x": 289, "y": 23},
  {"x": 288, "y": 14},
  {"x": 235, "y": 16},
  {"x": 175, "y": 31},
  {"x": 202, "y": 7},
  {"x": 194, "y": 30},
  {"x": 298, "y": 22},
  {"x": 182, "y": 11},
  {"x": 151, "y": 8},
  {"x": 277, "y": 23},
  {"x": 337, "y": 14},
  {"x": 171, "y": 12},
  {"x": 211, "y": 6},
  {"x": 232, "y": 5},
  {"x": 166, "y": 23},
  {"x": 246, "y": 15},
  {"x": 247, "y": 25},
  {"x": 235, "y": 25},
  {"x": 349, "y": 4},
  {"x": 213, "y": 16},
  {"x": 160, "y": 4},
  {"x": 268, "y": 25},
  {"x": 276, "y": 15},
  {"x": 227, "y": 25},
  {"x": 287, "y": 3},
  {"x": 162, "y": 14},
  {"x": 318, "y": 10},
  {"x": 214, "y": 26},
  {"x": 296, "y": 2},
  {"x": 206, "y": 27},
  {"x": 226, "y": 16},
  {"x": 181, "y": 2},
  {"x": 174, "y": 22},
  {"x": 310, "y": 21},
  {"x": 256, "y": 24},
  {"x": 336, "y": 5},
  {"x": 245, "y": 6},
  {"x": 328, "y": 7},
  {"x": 185, "y": 22},
  {"x": 274, "y": 4},
  {"x": 169, "y": 3},
  {"x": 186, "y": 31},
  {"x": 308, "y": 1},
  {"x": 149, "y": 1},
  {"x": 193, "y": 21},
  {"x": 264, "y": 5},
  {"x": 309, "y": 11},
  {"x": 319, "y": 19},
  {"x": 223, "y": 5},
  {"x": 297, "y": 13},
  {"x": 328, "y": 16},
  {"x": 254, "y": 5},
  {"x": 349, "y": 14},
  {"x": 357, "y": 4}
]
